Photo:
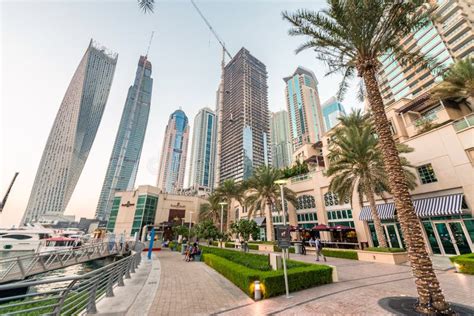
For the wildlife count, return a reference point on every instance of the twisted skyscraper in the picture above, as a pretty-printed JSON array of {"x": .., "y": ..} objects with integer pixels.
[
  {"x": 125, "y": 158},
  {"x": 72, "y": 134}
]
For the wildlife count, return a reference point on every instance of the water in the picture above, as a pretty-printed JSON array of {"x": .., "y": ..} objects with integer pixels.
[{"x": 77, "y": 269}]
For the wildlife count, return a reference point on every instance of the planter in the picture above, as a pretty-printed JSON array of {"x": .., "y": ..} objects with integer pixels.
[
  {"x": 221, "y": 244},
  {"x": 383, "y": 257},
  {"x": 266, "y": 247}
]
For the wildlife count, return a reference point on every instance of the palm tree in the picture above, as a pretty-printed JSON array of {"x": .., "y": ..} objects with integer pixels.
[
  {"x": 351, "y": 36},
  {"x": 356, "y": 164},
  {"x": 264, "y": 194},
  {"x": 211, "y": 210},
  {"x": 146, "y": 5},
  {"x": 458, "y": 82},
  {"x": 229, "y": 191}
]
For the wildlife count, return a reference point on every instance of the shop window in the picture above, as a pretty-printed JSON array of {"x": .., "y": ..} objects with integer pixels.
[{"x": 427, "y": 174}]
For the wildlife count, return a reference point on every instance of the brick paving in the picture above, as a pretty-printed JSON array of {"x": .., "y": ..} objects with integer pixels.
[{"x": 195, "y": 289}]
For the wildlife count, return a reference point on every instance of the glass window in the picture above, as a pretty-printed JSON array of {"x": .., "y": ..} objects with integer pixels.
[
  {"x": 427, "y": 174},
  {"x": 470, "y": 228}
]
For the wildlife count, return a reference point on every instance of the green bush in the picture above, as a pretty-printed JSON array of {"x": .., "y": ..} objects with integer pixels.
[
  {"x": 250, "y": 260},
  {"x": 380, "y": 249},
  {"x": 344, "y": 254},
  {"x": 301, "y": 277},
  {"x": 465, "y": 263},
  {"x": 278, "y": 249},
  {"x": 215, "y": 243},
  {"x": 252, "y": 246},
  {"x": 229, "y": 245}
]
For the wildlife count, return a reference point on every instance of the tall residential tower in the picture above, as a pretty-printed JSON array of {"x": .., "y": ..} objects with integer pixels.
[
  {"x": 332, "y": 110},
  {"x": 125, "y": 158},
  {"x": 281, "y": 141},
  {"x": 173, "y": 154},
  {"x": 72, "y": 134},
  {"x": 203, "y": 149},
  {"x": 245, "y": 119},
  {"x": 304, "y": 107}
]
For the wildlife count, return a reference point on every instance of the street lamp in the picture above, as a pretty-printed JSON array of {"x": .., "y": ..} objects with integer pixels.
[
  {"x": 281, "y": 183},
  {"x": 222, "y": 214},
  {"x": 190, "y": 219}
]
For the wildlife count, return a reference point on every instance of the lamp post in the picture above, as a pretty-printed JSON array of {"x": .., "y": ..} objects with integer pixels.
[
  {"x": 281, "y": 183},
  {"x": 190, "y": 220},
  {"x": 222, "y": 214}
]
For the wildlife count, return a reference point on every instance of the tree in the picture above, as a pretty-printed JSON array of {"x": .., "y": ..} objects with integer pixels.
[
  {"x": 295, "y": 170},
  {"x": 351, "y": 36},
  {"x": 207, "y": 230},
  {"x": 264, "y": 194},
  {"x": 212, "y": 209},
  {"x": 245, "y": 228},
  {"x": 356, "y": 165},
  {"x": 230, "y": 190},
  {"x": 458, "y": 82},
  {"x": 146, "y": 5},
  {"x": 182, "y": 230}
]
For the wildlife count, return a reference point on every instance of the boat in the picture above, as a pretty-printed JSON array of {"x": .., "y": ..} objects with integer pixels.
[
  {"x": 23, "y": 238},
  {"x": 60, "y": 243}
]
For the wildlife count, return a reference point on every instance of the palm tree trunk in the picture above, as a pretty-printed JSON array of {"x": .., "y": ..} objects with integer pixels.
[
  {"x": 269, "y": 221},
  {"x": 430, "y": 295},
  {"x": 369, "y": 193}
]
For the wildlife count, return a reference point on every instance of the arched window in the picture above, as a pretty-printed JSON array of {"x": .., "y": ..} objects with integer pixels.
[
  {"x": 305, "y": 202},
  {"x": 331, "y": 199}
]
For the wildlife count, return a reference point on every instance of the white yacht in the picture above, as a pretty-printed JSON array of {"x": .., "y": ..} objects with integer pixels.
[{"x": 23, "y": 238}]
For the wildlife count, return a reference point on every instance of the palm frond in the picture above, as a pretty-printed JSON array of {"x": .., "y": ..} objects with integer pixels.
[{"x": 147, "y": 6}]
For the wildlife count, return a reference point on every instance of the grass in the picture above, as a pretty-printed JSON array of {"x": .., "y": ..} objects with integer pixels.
[
  {"x": 343, "y": 254},
  {"x": 383, "y": 249},
  {"x": 464, "y": 263}
]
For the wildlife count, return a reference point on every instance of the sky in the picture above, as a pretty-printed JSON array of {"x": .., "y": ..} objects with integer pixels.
[{"x": 42, "y": 43}]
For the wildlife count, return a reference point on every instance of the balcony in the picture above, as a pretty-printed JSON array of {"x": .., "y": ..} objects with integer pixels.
[{"x": 464, "y": 123}]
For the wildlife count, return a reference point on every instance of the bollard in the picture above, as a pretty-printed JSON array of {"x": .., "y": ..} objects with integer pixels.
[{"x": 257, "y": 290}]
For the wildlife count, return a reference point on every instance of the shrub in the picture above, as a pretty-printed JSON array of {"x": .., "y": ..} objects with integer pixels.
[
  {"x": 250, "y": 260},
  {"x": 215, "y": 243},
  {"x": 344, "y": 254},
  {"x": 465, "y": 263},
  {"x": 278, "y": 249},
  {"x": 301, "y": 277},
  {"x": 380, "y": 249},
  {"x": 253, "y": 247},
  {"x": 229, "y": 245}
]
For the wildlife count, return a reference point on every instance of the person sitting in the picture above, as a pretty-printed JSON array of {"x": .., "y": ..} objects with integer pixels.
[
  {"x": 187, "y": 254},
  {"x": 194, "y": 251}
]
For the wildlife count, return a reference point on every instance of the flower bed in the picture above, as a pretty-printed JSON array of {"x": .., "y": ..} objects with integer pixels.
[
  {"x": 243, "y": 269},
  {"x": 464, "y": 263}
]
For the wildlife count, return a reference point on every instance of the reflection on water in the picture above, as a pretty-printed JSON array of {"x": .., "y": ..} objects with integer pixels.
[{"x": 77, "y": 269}]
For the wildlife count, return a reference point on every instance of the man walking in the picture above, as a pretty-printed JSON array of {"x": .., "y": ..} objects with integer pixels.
[{"x": 319, "y": 249}]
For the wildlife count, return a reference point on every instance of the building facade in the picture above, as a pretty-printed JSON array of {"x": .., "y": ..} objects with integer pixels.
[
  {"x": 245, "y": 137},
  {"x": 73, "y": 132},
  {"x": 173, "y": 154},
  {"x": 281, "y": 142},
  {"x": 203, "y": 150},
  {"x": 449, "y": 38},
  {"x": 124, "y": 161},
  {"x": 147, "y": 205},
  {"x": 332, "y": 110}
]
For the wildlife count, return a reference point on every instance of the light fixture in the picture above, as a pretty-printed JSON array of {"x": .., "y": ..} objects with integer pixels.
[
  {"x": 281, "y": 181},
  {"x": 257, "y": 290}
]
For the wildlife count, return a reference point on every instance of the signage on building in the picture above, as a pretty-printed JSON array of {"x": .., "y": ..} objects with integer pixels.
[
  {"x": 178, "y": 205},
  {"x": 128, "y": 204}
]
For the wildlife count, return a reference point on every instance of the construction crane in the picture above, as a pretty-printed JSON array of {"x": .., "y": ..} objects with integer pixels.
[
  {"x": 211, "y": 28},
  {"x": 2, "y": 204}
]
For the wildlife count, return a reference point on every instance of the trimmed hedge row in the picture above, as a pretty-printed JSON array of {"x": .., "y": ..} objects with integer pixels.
[
  {"x": 273, "y": 284},
  {"x": 380, "y": 249},
  {"x": 465, "y": 263},
  {"x": 344, "y": 254}
]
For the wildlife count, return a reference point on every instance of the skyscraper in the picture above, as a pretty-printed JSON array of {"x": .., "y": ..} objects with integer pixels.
[
  {"x": 304, "y": 107},
  {"x": 281, "y": 143},
  {"x": 72, "y": 134},
  {"x": 448, "y": 38},
  {"x": 245, "y": 119},
  {"x": 173, "y": 154},
  {"x": 203, "y": 149},
  {"x": 125, "y": 158},
  {"x": 332, "y": 110}
]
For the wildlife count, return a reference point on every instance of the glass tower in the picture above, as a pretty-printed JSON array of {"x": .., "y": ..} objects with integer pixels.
[
  {"x": 332, "y": 110},
  {"x": 173, "y": 154},
  {"x": 203, "y": 149},
  {"x": 245, "y": 118},
  {"x": 304, "y": 108},
  {"x": 125, "y": 158},
  {"x": 281, "y": 143},
  {"x": 73, "y": 132}
]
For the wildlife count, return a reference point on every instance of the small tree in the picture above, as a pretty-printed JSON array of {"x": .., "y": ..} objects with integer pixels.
[
  {"x": 245, "y": 228},
  {"x": 182, "y": 230},
  {"x": 207, "y": 230}
]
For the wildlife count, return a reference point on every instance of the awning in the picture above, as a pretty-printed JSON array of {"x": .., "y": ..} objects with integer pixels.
[
  {"x": 259, "y": 220},
  {"x": 385, "y": 211},
  {"x": 427, "y": 207}
]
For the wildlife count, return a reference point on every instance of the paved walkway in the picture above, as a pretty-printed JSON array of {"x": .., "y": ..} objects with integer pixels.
[{"x": 192, "y": 288}]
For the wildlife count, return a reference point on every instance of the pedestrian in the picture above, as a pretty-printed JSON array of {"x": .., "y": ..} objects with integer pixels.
[
  {"x": 311, "y": 242},
  {"x": 303, "y": 246},
  {"x": 319, "y": 249}
]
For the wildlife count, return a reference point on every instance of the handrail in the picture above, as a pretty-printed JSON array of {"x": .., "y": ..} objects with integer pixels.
[{"x": 72, "y": 295}]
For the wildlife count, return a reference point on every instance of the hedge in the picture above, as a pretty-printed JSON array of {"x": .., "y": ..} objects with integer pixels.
[
  {"x": 278, "y": 249},
  {"x": 344, "y": 254},
  {"x": 273, "y": 284},
  {"x": 465, "y": 263},
  {"x": 380, "y": 249}
]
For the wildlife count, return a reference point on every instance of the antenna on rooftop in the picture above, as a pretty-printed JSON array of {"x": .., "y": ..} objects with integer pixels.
[{"x": 149, "y": 43}]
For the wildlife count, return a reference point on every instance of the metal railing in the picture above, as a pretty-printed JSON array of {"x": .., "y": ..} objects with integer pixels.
[
  {"x": 463, "y": 123},
  {"x": 21, "y": 267},
  {"x": 70, "y": 295}
]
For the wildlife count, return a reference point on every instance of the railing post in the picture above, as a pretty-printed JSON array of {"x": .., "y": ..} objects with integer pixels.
[
  {"x": 110, "y": 286},
  {"x": 120, "y": 276},
  {"x": 57, "y": 309},
  {"x": 127, "y": 269},
  {"x": 132, "y": 264},
  {"x": 91, "y": 308},
  {"x": 137, "y": 260}
]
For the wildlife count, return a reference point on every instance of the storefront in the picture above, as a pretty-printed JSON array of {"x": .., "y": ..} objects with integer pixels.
[{"x": 448, "y": 225}]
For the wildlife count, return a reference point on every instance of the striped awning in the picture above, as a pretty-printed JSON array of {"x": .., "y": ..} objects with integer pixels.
[
  {"x": 385, "y": 211},
  {"x": 427, "y": 207}
]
